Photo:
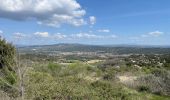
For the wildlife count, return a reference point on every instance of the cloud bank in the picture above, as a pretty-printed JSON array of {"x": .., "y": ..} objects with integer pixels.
[
  {"x": 49, "y": 12},
  {"x": 59, "y": 36}
]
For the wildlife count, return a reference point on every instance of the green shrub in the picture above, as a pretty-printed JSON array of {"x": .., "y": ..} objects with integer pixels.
[
  {"x": 53, "y": 66},
  {"x": 157, "y": 82},
  {"x": 144, "y": 88},
  {"x": 107, "y": 91},
  {"x": 7, "y": 54},
  {"x": 40, "y": 86},
  {"x": 7, "y": 70}
]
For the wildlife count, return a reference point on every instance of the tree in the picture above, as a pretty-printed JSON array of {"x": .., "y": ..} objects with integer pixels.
[
  {"x": 7, "y": 54},
  {"x": 7, "y": 62}
]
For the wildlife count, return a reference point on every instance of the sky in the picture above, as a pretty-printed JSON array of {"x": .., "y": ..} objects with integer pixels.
[{"x": 99, "y": 22}]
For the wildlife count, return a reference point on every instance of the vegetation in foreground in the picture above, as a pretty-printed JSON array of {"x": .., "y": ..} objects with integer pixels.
[{"x": 136, "y": 77}]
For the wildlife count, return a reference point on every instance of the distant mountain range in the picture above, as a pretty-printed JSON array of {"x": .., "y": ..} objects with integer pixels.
[
  {"x": 116, "y": 49},
  {"x": 114, "y": 45}
]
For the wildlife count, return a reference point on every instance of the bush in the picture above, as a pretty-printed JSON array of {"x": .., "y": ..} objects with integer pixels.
[
  {"x": 54, "y": 69},
  {"x": 157, "y": 82},
  {"x": 106, "y": 91},
  {"x": 144, "y": 88},
  {"x": 40, "y": 86},
  {"x": 7, "y": 73},
  {"x": 7, "y": 54}
]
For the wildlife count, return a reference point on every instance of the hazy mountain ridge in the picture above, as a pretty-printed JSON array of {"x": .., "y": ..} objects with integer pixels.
[{"x": 116, "y": 49}]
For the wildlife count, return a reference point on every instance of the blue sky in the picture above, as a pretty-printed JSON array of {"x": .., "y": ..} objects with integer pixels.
[{"x": 31, "y": 22}]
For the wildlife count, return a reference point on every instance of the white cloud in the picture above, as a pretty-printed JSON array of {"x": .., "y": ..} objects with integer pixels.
[
  {"x": 92, "y": 20},
  {"x": 93, "y": 36},
  {"x": 42, "y": 34},
  {"x": 113, "y": 36},
  {"x": 54, "y": 36},
  {"x": 19, "y": 35},
  {"x": 48, "y": 12},
  {"x": 104, "y": 30},
  {"x": 85, "y": 35},
  {"x": 152, "y": 34},
  {"x": 156, "y": 33},
  {"x": 1, "y": 32},
  {"x": 144, "y": 35},
  {"x": 149, "y": 35},
  {"x": 59, "y": 36}
]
